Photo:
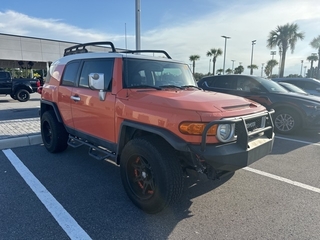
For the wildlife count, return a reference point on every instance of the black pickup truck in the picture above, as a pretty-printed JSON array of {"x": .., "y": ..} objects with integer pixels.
[{"x": 20, "y": 88}]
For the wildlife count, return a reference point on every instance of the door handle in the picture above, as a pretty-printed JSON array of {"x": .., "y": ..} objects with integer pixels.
[{"x": 75, "y": 98}]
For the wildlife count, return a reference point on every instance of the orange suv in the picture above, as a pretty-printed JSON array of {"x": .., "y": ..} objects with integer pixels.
[{"x": 147, "y": 114}]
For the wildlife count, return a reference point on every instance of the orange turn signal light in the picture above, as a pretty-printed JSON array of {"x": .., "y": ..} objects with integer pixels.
[{"x": 194, "y": 128}]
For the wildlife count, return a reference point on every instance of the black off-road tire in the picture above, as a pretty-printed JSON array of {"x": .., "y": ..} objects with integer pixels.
[
  {"x": 286, "y": 121},
  {"x": 151, "y": 173},
  {"x": 54, "y": 135},
  {"x": 22, "y": 95}
]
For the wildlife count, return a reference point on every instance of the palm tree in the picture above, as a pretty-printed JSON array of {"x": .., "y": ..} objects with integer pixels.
[
  {"x": 315, "y": 43},
  {"x": 229, "y": 71},
  {"x": 219, "y": 71},
  {"x": 214, "y": 53},
  {"x": 253, "y": 66},
  {"x": 193, "y": 59},
  {"x": 284, "y": 37},
  {"x": 312, "y": 58},
  {"x": 239, "y": 69},
  {"x": 271, "y": 64}
]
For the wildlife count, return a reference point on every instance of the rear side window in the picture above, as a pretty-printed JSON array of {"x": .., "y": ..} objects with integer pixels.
[
  {"x": 104, "y": 66},
  {"x": 70, "y": 74},
  {"x": 4, "y": 75},
  {"x": 224, "y": 82}
]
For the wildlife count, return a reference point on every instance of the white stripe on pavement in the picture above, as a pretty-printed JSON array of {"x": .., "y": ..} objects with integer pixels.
[
  {"x": 299, "y": 141},
  {"x": 64, "y": 219},
  {"x": 298, "y": 184}
]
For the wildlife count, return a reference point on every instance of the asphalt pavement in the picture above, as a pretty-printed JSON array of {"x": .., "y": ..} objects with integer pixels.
[{"x": 19, "y": 122}]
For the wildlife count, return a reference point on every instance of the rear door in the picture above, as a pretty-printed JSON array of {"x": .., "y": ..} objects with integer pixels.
[
  {"x": 94, "y": 118},
  {"x": 5, "y": 83}
]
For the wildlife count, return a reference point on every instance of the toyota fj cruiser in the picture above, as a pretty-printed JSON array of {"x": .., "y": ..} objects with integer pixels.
[{"x": 148, "y": 115}]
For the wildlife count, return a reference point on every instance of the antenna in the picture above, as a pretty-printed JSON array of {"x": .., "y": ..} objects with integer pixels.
[{"x": 125, "y": 35}]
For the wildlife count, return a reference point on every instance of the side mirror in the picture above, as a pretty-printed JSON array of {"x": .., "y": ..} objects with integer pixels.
[{"x": 96, "y": 81}]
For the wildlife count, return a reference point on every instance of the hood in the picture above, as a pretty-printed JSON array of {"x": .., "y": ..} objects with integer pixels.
[{"x": 195, "y": 100}]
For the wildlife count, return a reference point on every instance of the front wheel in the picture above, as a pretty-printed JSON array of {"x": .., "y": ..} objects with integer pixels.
[
  {"x": 286, "y": 121},
  {"x": 23, "y": 95},
  {"x": 151, "y": 173},
  {"x": 54, "y": 135}
]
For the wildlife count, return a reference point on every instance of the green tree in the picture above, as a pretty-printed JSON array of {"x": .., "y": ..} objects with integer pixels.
[
  {"x": 219, "y": 71},
  {"x": 239, "y": 69},
  {"x": 193, "y": 59},
  {"x": 271, "y": 64},
  {"x": 214, "y": 53},
  {"x": 315, "y": 43},
  {"x": 312, "y": 58},
  {"x": 284, "y": 37},
  {"x": 229, "y": 71},
  {"x": 253, "y": 66}
]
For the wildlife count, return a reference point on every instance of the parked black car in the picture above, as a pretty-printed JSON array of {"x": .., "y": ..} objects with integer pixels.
[
  {"x": 20, "y": 88},
  {"x": 293, "y": 111},
  {"x": 310, "y": 85}
]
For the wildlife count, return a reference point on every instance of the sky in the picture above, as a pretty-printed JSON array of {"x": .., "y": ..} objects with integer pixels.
[{"x": 181, "y": 27}]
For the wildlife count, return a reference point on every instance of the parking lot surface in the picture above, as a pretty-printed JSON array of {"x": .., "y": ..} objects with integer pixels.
[{"x": 70, "y": 195}]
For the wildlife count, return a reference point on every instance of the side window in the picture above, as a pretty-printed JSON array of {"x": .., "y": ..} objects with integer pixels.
[
  {"x": 246, "y": 84},
  {"x": 310, "y": 86},
  {"x": 225, "y": 83},
  {"x": 207, "y": 83},
  {"x": 104, "y": 66},
  {"x": 298, "y": 83},
  {"x": 70, "y": 74}
]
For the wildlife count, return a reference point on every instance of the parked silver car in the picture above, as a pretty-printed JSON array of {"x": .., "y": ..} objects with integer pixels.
[{"x": 310, "y": 85}]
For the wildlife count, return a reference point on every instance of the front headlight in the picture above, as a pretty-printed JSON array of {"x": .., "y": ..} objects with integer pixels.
[{"x": 226, "y": 132}]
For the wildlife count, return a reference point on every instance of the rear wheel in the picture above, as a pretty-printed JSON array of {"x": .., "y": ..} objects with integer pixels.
[
  {"x": 151, "y": 173},
  {"x": 23, "y": 95},
  {"x": 54, "y": 135},
  {"x": 286, "y": 121}
]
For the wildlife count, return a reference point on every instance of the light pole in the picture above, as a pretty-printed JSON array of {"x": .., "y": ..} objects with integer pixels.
[
  {"x": 301, "y": 68},
  {"x": 233, "y": 64},
  {"x": 305, "y": 71},
  {"x": 251, "y": 69},
  {"x": 138, "y": 36},
  {"x": 262, "y": 69},
  {"x": 225, "y": 49}
]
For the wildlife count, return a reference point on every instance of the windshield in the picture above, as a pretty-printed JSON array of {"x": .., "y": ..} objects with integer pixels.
[
  {"x": 271, "y": 86},
  {"x": 147, "y": 73},
  {"x": 292, "y": 88}
]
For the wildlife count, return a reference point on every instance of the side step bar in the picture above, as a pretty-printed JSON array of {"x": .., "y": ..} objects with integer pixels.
[{"x": 98, "y": 153}]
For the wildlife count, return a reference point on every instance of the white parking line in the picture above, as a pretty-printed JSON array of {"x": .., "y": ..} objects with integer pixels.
[
  {"x": 64, "y": 219},
  {"x": 298, "y": 184},
  {"x": 299, "y": 141}
]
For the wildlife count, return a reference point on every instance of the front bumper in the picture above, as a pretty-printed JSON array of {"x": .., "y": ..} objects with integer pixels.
[
  {"x": 250, "y": 145},
  {"x": 232, "y": 156}
]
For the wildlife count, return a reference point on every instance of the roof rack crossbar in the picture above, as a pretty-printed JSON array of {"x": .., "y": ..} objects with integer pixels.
[
  {"x": 81, "y": 48},
  {"x": 148, "y": 51}
]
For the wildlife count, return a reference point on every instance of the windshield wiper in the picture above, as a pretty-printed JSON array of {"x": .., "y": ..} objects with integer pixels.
[
  {"x": 187, "y": 86},
  {"x": 170, "y": 86},
  {"x": 145, "y": 86}
]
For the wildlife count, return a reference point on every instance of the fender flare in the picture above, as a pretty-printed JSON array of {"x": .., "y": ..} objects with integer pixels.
[
  {"x": 175, "y": 141},
  {"x": 44, "y": 107}
]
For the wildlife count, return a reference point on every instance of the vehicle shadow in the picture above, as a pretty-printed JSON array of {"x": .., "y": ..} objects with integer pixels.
[
  {"x": 92, "y": 192},
  {"x": 18, "y": 113}
]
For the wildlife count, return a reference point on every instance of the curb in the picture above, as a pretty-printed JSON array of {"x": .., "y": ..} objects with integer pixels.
[{"x": 21, "y": 141}]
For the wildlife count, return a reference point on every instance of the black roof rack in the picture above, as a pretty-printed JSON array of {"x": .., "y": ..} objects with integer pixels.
[
  {"x": 148, "y": 51},
  {"x": 81, "y": 48}
]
